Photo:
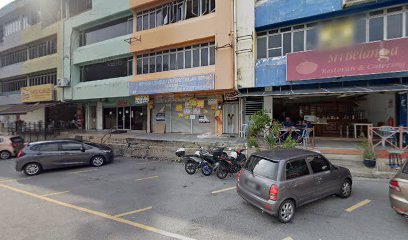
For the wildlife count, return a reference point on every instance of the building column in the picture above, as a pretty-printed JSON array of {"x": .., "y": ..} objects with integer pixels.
[
  {"x": 268, "y": 106},
  {"x": 99, "y": 116}
]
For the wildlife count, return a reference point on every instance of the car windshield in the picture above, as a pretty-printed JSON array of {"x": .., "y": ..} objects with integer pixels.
[
  {"x": 262, "y": 167},
  {"x": 17, "y": 140}
]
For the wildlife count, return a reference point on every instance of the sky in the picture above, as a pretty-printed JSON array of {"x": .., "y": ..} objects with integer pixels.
[{"x": 4, "y": 2}]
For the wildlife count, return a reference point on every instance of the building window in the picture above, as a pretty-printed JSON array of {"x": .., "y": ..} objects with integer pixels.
[
  {"x": 107, "y": 31},
  {"x": 173, "y": 12},
  {"x": 372, "y": 26},
  {"x": 78, "y": 6},
  {"x": 43, "y": 78},
  {"x": 13, "y": 85},
  {"x": 175, "y": 59},
  {"x": 107, "y": 69}
]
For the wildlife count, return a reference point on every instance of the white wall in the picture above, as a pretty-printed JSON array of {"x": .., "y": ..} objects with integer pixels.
[
  {"x": 245, "y": 41},
  {"x": 379, "y": 107},
  {"x": 34, "y": 117}
]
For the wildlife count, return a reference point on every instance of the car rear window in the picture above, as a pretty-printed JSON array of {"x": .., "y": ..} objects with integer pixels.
[
  {"x": 262, "y": 167},
  {"x": 17, "y": 140}
]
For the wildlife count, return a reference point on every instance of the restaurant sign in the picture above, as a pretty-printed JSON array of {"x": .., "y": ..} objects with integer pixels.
[
  {"x": 172, "y": 85},
  {"x": 40, "y": 93},
  {"x": 363, "y": 59}
]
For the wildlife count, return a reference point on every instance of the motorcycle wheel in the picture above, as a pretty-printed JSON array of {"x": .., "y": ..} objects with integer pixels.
[
  {"x": 222, "y": 172},
  {"x": 190, "y": 167},
  {"x": 206, "y": 170}
]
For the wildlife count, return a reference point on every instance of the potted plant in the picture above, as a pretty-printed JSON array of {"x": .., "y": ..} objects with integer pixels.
[{"x": 369, "y": 156}]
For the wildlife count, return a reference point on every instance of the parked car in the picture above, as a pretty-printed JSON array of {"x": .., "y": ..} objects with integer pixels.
[
  {"x": 399, "y": 191},
  {"x": 45, "y": 155},
  {"x": 280, "y": 180},
  {"x": 10, "y": 146}
]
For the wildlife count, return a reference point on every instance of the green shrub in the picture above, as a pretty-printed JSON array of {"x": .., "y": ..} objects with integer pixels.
[
  {"x": 252, "y": 141},
  {"x": 289, "y": 143},
  {"x": 258, "y": 122},
  {"x": 368, "y": 149}
]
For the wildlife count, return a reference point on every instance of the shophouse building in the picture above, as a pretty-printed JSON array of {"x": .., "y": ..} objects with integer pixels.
[{"x": 335, "y": 63}]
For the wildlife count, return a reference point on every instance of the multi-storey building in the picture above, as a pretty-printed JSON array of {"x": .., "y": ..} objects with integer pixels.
[
  {"x": 30, "y": 47},
  {"x": 336, "y": 63},
  {"x": 98, "y": 64},
  {"x": 184, "y": 65}
]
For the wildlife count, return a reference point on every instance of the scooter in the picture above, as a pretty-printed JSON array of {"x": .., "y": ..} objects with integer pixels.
[
  {"x": 232, "y": 164},
  {"x": 194, "y": 162}
]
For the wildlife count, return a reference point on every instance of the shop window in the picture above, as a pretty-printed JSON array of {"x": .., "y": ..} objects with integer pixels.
[
  {"x": 173, "y": 58},
  {"x": 166, "y": 60},
  {"x": 298, "y": 41},
  {"x": 360, "y": 30},
  {"x": 107, "y": 31},
  {"x": 159, "y": 59},
  {"x": 187, "y": 57},
  {"x": 108, "y": 69},
  {"x": 394, "y": 26},
  {"x": 196, "y": 56},
  {"x": 180, "y": 59},
  {"x": 13, "y": 85},
  {"x": 145, "y": 64},
  {"x": 139, "y": 67},
  {"x": 152, "y": 64},
  {"x": 312, "y": 39},
  {"x": 376, "y": 29},
  {"x": 130, "y": 66},
  {"x": 287, "y": 43},
  {"x": 204, "y": 55},
  {"x": 212, "y": 55},
  {"x": 261, "y": 47}
]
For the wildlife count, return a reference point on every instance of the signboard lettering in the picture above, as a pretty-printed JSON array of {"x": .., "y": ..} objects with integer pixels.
[{"x": 40, "y": 93}]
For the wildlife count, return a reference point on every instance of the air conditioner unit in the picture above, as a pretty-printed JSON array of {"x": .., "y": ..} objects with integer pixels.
[{"x": 63, "y": 82}]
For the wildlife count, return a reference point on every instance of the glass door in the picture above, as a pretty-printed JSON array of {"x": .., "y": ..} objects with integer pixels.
[
  {"x": 127, "y": 118},
  {"x": 121, "y": 118}
]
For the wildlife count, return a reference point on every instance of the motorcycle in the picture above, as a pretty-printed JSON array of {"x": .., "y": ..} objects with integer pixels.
[
  {"x": 202, "y": 159},
  {"x": 231, "y": 164}
]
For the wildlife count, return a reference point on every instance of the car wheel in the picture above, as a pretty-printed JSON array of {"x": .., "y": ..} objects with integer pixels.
[
  {"x": 346, "y": 188},
  {"x": 32, "y": 169},
  {"x": 5, "y": 155},
  {"x": 286, "y": 211},
  {"x": 97, "y": 161}
]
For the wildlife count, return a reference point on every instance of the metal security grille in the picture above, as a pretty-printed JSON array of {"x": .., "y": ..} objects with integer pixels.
[{"x": 253, "y": 105}]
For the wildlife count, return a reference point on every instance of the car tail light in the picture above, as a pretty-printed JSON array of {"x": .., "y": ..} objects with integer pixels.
[
  {"x": 395, "y": 185},
  {"x": 20, "y": 154},
  {"x": 273, "y": 192},
  {"x": 238, "y": 176}
]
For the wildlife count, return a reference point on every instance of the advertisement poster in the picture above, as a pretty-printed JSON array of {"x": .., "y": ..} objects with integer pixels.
[
  {"x": 193, "y": 102},
  {"x": 161, "y": 117},
  {"x": 196, "y": 111},
  {"x": 203, "y": 119},
  {"x": 187, "y": 111},
  {"x": 179, "y": 108},
  {"x": 200, "y": 103},
  {"x": 180, "y": 115},
  {"x": 212, "y": 101}
]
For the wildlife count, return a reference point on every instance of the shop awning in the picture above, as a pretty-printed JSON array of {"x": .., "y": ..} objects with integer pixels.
[
  {"x": 22, "y": 108},
  {"x": 330, "y": 91}
]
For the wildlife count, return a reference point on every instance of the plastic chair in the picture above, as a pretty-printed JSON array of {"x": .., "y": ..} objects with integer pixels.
[
  {"x": 243, "y": 131},
  {"x": 306, "y": 136}
]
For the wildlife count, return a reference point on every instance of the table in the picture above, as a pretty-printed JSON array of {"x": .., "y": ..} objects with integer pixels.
[{"x": 368, "y": 125}]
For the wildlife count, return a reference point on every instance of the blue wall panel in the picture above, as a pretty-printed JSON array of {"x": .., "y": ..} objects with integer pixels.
[
  {"x": 271, "y": 72},
  {"x": 275, "y": 11}
]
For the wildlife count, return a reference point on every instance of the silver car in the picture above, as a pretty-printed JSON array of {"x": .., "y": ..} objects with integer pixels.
[
  {"x": 399, "y": 191},
  {"x": 281, "y": 180},
  {"x": 46, "y": 155}
]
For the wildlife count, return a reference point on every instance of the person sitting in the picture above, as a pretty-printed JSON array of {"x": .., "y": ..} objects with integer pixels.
[{"x": 288, "y": 123}]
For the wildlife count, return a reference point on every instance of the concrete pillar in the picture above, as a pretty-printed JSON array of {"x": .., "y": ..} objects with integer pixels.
[
  {"x": 268, "y": 105},
  {"x": 99, "y": 116}
]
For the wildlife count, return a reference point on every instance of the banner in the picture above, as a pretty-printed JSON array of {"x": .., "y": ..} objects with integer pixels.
[
  {"x": 40, "y": 93},
  {"x": 363, "y": 59}
]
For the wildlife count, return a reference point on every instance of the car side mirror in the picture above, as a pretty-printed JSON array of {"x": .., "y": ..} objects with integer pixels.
[{"x": 82, "y": 149}]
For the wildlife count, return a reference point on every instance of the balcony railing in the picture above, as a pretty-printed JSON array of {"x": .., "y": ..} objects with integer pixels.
[{"x": 387, "y": 137}]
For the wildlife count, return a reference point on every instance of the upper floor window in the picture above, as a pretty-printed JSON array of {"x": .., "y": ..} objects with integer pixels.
[
  {"x": 13, "y": 27},
  {"x": 107, "y": 69},
  {"x": 173, "y": 12},
  {"x": 377, "y": 25},
  {"x": 106, "y": 31},
  {"x": 78, "y": 6},
  {"x": 13, "y": 85},
  {"x": 174, "y": 59}
]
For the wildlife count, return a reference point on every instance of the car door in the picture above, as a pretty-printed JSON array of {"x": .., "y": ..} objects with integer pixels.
[
  {"x": 325, "y": 182},
  {"x": 74, "y": 153},
  {"x": 48, "y": 155},
  {"x": 298, "y": 180}
]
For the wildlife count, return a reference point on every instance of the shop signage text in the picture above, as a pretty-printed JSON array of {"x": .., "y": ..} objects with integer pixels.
[
  {"x": 170, "y": 85},
  {"x": 363, "y": 59},
  {"x": 40, "y": 93},
  {"x": 122, "y": 103},
  {"x": 144, "y": 99}
]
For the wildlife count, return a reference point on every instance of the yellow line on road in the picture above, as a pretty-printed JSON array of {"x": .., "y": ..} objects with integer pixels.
[
  {"x": 52, "y": 194},
  {"x": 358, "y": 205},
  {"x": 83, "y": 171},
  {"x": 146, "y": 178},
  {"x": 99, "y": 214},
  {"x": 223, "y": 190},
  {"x": 133, "y": 212},
  {"x": 13, "y": 180}
]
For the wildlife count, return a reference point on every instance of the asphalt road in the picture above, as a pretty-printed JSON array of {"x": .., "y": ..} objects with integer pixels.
[{"x": 144, "y": 199}]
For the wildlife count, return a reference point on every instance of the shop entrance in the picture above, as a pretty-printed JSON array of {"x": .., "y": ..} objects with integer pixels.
[{"x": 126, "y": 118}]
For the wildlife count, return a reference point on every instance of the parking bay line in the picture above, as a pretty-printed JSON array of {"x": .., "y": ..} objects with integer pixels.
[
  {"x": 13, "y": 180},
  {"x": 54, "y": 193},
  {"x": 133, "y": 212},
  {"x": 83, "y": 171},
  {"x": 99, "y": 214},
  {"x": 358, "y": 205},
  {"x": 146, "y": 178},
  {"x": 224, "y": 190}
]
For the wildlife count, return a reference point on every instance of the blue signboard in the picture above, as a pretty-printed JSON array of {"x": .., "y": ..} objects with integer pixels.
[{"x": 172, "y": 85}]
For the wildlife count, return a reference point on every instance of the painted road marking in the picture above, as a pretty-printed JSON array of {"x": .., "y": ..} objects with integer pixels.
[
  {"x": 99, "y": 214},
  {"x": 13, "y": 180},
  {"x": 288, "y": 238},
  {"x": 132, "y": 212},
  {"x": 358, "y": 205},
  {"x": 223, "y": 190},
  {"x": 146, "y": 178},
  {"x": 83, "y": 171},
  {"x": 53, "y": 194}
]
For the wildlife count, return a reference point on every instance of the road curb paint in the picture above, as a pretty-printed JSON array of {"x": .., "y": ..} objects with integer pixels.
[
  {"x": 223, "y": 190},
  {"x": 54, "y": 193},
  {"x": 146, "y": 178},
  {"x": 358, "y": 205}
]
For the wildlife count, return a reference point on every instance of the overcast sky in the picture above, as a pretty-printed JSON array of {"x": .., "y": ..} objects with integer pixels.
[{"x": 4, "y": 2}]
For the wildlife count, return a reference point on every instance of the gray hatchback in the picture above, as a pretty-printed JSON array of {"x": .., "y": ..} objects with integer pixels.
[
  {"x": 38, "y": 156},
  {"x": 280, "y": 180}
]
